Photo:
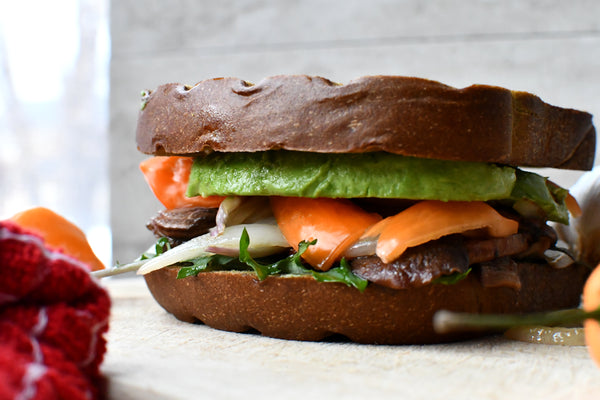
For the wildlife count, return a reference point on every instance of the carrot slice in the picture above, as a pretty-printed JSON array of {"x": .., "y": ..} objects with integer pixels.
[
  {"x": 591, "y": 302},
  {"x": 58, "y": 234},
  {"x": 168, "y": 178},
  {"x": 432, "y": 219},
  {"x": 335, "y": 223}
]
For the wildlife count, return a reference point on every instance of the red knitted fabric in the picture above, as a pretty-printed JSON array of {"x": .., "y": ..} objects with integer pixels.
[{"x": 53, "y": 316}]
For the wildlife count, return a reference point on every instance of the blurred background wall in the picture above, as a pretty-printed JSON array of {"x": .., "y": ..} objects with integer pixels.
[{"x": 551, "y": 48}]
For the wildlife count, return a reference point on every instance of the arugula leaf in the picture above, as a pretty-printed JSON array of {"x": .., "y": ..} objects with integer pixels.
[
  {"x": 548, "y": 196},
  {"x": 343, "y": 274},
  {"x": 265, "y": 267},
  {"x": 293, "y": 265},
  {"x": 213, "y": 262},
  {"x": 160, "y": 247},
  {"x": 262, "y": 270},
  {"x": 452, "y": 278}
]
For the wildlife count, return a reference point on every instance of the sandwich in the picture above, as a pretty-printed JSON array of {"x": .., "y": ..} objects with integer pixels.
[{"x": 304, "y": 209}]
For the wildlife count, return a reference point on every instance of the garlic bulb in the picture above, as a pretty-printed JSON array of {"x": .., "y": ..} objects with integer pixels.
[{"x": 582, "y": 235}]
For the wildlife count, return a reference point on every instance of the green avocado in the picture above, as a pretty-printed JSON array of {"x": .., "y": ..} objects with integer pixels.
[
  {"x": 359, "y": 175},
  {"x": 382, "y": 175}
]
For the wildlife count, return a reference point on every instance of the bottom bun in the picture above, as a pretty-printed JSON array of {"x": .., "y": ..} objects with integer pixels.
[{"x": 300, "y": 308}]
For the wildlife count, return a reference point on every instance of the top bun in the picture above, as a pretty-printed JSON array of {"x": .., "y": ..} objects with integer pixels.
[{"x": 401, "y": 115}]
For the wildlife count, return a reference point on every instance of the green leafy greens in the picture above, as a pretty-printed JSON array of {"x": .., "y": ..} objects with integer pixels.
[
  {"x": 160, "y": 247},
  {"x": 452, "y": 278},
  {"x": 536, "y": 188},
  {"x": 267, "y": 266}
]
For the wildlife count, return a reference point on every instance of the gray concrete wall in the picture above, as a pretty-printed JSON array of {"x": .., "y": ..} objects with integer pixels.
[{"x": 551, "y": 48}]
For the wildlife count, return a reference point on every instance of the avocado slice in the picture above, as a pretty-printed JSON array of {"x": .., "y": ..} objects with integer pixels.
[{"x": 367, "y": 175}]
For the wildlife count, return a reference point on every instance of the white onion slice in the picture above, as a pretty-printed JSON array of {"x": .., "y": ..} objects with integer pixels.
[
  {"x": 239, "y": 210},
  {"x": 263, "y": 238},
  {"x": 193, "y": 248},
  {"x": 528, "y": 209},
  {"x": 363, "y": 247},
  {"x": 558, "y": 259}
]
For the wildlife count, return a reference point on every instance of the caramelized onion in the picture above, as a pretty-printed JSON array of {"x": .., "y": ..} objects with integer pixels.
[{"x": 363, "y": 247}]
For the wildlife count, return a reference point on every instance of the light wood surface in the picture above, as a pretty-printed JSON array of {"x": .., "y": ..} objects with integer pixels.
[{"x": 151, "y": 355}]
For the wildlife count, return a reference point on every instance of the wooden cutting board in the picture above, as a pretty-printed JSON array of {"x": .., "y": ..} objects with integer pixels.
[{"x": 151, "y": 355}]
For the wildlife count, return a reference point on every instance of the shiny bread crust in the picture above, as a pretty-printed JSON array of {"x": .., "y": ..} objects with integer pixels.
[{"x": 401, "y": 115}]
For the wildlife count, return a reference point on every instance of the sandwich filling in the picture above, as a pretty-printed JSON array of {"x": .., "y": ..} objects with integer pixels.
[{"x": 376, "y": 217}]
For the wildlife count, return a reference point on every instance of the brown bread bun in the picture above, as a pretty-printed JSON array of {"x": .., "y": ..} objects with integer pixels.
[
  {"x": 408, "y": 116},
  {"x": 300, "y": 308}
]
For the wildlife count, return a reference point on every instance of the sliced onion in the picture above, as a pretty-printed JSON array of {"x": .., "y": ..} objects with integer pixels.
[
  {"x": 239, "y": 210},
  {"x": 264, "y": 239},
  {"x": 558, "y": 259},
  {"x": 548, "y": 335},
  {"x": 363, "y": 247},
  {"x": 528, "y": 209},
  {"x": 193, "y": 248}
]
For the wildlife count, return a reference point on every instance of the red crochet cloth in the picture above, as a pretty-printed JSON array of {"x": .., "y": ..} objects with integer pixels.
[{"x": 53, "y": 316}]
